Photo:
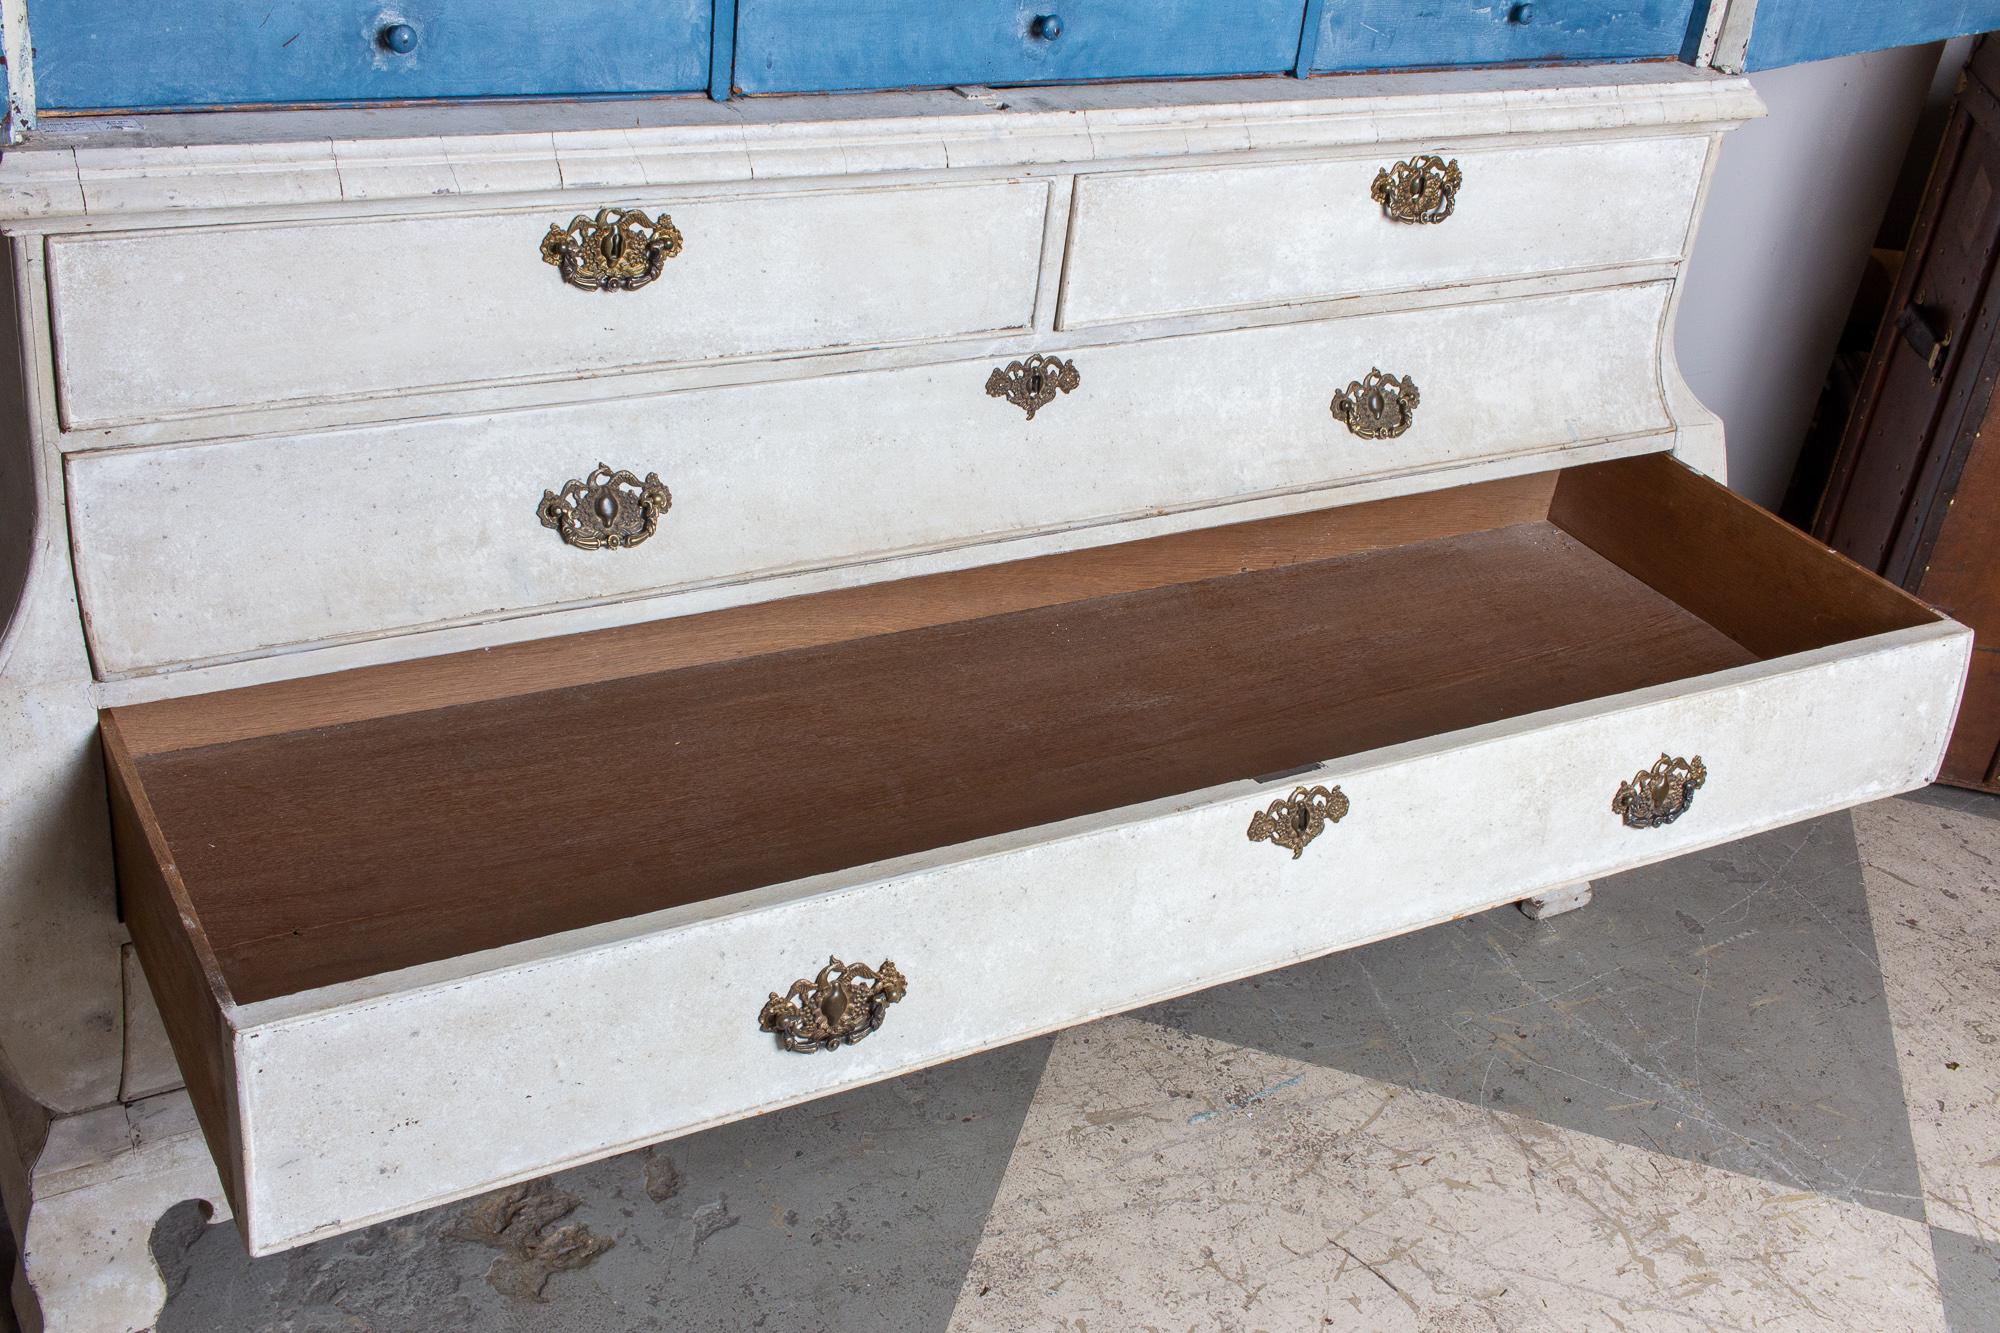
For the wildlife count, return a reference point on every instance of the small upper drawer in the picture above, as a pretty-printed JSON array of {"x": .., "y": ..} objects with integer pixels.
[
  {"x": 188, "y": 321},
  {"x": 94, "y": 55},
  {"x": 1398, "y": 34},
  {"x": 1152, "y": 243},
  {"x": 832, "y": 45}
]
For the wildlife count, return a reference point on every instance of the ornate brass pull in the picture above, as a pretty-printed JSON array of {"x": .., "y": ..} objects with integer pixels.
[
  {"x": 1661, "y": 794},
  {"x": 1031, "y": 384},
  {"x": 619, "y": 250},
  {"x": 1295, "y": 820},
  {"x": 1377, "y": 407},
  {"x": 606, "y": 510},
  {"x": 840, "y": 1006},
  {"x": 1423, "y": 189}
]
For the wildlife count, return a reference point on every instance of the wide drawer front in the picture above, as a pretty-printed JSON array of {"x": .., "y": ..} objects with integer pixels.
[
  {"x": 1151, "y": 243},
  {"x": 129, "y": 54},
  {"x": 831, "y": 45},
  {"x": 186, "y": 322},
  {"x": 403, "y": 526},
  {"x": 655, "y": 1034},
  {"x": 422, "y": 929}
]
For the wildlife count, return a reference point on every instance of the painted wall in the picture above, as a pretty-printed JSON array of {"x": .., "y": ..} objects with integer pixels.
[{"x": 1794, "y": 209}]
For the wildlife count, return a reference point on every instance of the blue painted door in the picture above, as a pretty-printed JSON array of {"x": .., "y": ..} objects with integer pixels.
[
  {"x": 1786, "y": 32},
  {"x": 830, "y": 45},
  {"x": 1420, "y": 34},
  {"x": 132, "y": 54}
]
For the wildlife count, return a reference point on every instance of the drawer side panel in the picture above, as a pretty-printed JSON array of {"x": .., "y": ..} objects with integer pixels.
[{"x": 618, "y": 1041}]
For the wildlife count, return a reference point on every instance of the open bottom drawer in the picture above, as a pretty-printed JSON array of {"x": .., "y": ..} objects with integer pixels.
[{"x": 424, "y": 929}]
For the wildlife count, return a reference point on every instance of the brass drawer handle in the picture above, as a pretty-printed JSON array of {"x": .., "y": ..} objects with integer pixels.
[
  {"x": 1661, "y": 794},
  {"x": 840, "y": 1006},
  {"x": 1422, "y": 189},
  {"x": 1031, "y": 384},
  {"x": 606, "y": 510},
  {"x": 1295, "y": 820},
  {"x": 1378, "y": 407},
  {"x": 619, "y": 250}
]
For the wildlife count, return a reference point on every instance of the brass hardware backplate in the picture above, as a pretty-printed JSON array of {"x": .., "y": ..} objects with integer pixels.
[
  {"x": 1422, "y": 189},
  {"x": 1295, "y": 820},
  {"x": 1661, "y": 794},
  {"x": 840, "y": 1006},
  {"x": 606, "y": 510},
  {"x": 1031, "y": 384},
  {"x": 1378, "y": 406},
  {"x": 619, "y": 250}
]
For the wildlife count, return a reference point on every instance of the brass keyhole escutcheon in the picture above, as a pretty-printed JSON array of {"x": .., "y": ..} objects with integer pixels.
[
  {"x": 1032, "y": 383},
  {"x": 1294, "y": 821},
  {"x": 1377, "y": 406},
  {"x": 1657, "y": 796},
  {"x": 836, "y": 1008},
  {"x": 1422, "y": 189},
  {"x": 605, "y": 510},
  {"x": 617, "y": 250}
]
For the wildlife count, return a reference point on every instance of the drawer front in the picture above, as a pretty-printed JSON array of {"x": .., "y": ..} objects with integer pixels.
[
  {"x": 128, "y": 54},
  {"x": 185, "y": 322},
  {"x": 653, "y": 1024},
  {"x": 1168, "y": 242},
  {"x": 402, "y": 526},
  {"x": 1395, "y": 34},
  {"x": 830, "y": 45}
]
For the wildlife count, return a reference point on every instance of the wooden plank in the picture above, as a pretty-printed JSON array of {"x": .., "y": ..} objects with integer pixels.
[
  {"x": 801, "y": 622},
  {"x": 839, "y": 45},
  {"x": 180, "y": 967},
  {"x": 1745, "y": 571},
  {"x": 133, "y": 54},
  {"x": 1395, "y": 34},
  {"x": 325, "y": 855},
  {"x": 1788, "y": 32}
]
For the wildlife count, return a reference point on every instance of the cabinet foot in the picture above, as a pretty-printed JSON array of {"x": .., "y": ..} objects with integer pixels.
[
  {"x": 103, "y": 1180},
  {"x": 1556, "y": 901}
]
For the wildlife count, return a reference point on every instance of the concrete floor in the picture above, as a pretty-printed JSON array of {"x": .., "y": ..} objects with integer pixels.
[{"x": 1757, "y": 1087}]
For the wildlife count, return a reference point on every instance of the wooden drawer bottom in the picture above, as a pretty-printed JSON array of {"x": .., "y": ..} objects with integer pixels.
[{"x": 423, "y": 929}]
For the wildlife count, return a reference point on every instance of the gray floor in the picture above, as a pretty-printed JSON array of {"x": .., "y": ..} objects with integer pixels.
[{"x": 1747, "y": 1088}]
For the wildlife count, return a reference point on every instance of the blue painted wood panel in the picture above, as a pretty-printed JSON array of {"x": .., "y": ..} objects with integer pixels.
[
  {"x": 831, "y": 45},
  {"x": 116, "y": 54},
  {"x": 1420, "y": 34},
  {"x": 1787, "y": 32}
]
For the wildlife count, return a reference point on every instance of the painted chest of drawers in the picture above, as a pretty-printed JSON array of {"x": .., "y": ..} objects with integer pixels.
[{"x": 527, "y": 597}]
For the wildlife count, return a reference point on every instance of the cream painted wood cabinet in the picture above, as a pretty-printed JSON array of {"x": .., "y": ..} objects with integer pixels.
[{"x": 1049, "y": 551}]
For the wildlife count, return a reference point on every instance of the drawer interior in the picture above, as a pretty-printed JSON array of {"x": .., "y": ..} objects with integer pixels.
[{"x": 326, "y": 829}]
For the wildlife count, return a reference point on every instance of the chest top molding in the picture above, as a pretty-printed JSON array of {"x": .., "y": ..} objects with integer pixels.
[{"x": 106, "y": 166}]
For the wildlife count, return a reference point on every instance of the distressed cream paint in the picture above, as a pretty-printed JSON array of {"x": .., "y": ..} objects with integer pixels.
[{"x": 242, "y": 500}]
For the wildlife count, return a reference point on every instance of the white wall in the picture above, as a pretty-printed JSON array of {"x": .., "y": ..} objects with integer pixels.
[{"x": 1792, "y": 214}]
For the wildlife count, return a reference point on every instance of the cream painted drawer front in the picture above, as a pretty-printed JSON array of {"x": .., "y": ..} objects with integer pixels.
[
  {"x": 1166, "y": 242},
  {"x": 171, "y": 323},
  {"x": 218, "y": 550},
  {"x": 653, "y": 1027}
]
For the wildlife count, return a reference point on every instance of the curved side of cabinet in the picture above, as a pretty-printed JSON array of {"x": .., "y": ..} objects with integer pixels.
[{"x": 61, "y": 1010}]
